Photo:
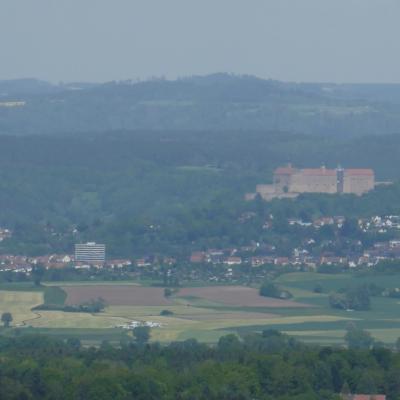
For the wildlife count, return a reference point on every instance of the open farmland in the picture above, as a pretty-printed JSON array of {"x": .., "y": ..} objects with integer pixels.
[
  {"x": 117, "y": 295},
  {"x": 207, "y": 313},
  {"x": 239, "y": 296},
  {"x": 381, "y": 321}
]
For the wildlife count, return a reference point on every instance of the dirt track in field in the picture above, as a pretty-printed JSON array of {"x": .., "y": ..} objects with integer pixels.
[
  {"x": 238, "y": 296},
  {"x": 117, "y": 295}
]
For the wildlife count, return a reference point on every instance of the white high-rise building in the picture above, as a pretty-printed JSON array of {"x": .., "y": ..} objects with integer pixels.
[{"x": 90, "y": 252}]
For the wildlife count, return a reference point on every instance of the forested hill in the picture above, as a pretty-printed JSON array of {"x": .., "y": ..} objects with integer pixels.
[
  {"x": 214, "y": 102},
  {"x": 114, "y": 185}
]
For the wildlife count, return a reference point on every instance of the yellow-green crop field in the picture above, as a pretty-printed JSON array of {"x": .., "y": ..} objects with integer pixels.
[{"x": 19, "y": 304}]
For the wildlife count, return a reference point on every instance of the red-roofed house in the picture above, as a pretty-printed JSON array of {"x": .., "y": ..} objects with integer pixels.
[
  {"x": 363, "y": 397},
  {"x": 198, "y": 257},
  {"x": 233, "y": 261}
]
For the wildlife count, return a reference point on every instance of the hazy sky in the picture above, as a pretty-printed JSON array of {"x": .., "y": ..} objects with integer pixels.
[{"x": 296, "y": 40}]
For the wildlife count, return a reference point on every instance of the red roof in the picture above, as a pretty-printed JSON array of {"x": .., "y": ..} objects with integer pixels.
[
  {"x": 359, "y": 171},
  {"x": 289, "y": 170},
  {"x": 318, "y": 171},
  {"x": 285, "y": 171},
  {"x": 197, "y": 257}
]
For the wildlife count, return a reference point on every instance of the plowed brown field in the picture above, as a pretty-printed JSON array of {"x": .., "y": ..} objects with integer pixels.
[{"x": 117, "y": 295}]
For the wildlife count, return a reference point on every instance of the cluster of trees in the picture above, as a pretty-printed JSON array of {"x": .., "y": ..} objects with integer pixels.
[
  {"x": 353, "y": 298},
  {"x": 270, "y": 289},
  {"x": 141, "y": 334},
  {"x": 359, "y": 298},
  {"x": 359, "y": 339},
  {"x": 267, "y": 366},
  {"x": 6, "y": 319},
  {"x": 93, "y": 306}
]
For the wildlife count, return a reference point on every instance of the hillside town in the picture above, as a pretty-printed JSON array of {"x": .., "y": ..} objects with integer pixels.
[{"x": 315, "y": 250}]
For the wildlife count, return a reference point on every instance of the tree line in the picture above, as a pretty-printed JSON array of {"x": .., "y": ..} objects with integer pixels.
[{"x": 268, "y": 366}]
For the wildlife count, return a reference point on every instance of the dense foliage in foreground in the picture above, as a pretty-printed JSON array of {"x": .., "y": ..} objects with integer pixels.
[{"x": 268, "y": 366}]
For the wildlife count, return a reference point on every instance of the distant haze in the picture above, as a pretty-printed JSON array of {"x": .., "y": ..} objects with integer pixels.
[{"x": 291, "y": 40}]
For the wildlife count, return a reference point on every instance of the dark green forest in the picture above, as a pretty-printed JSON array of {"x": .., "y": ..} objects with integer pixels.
[
  {"x": 269, "y": 366},
  {"x": 150, "y": 191},
  {"x": 214, "y": 102}
]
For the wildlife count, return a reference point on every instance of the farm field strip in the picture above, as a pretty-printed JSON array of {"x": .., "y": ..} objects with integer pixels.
[
  {"x": 60, "y": 319},
  {"x": 90, "y": 283},
  {"x": 184, "y": 312},
  {"x": 19, "y": 304},
  {"x": 301, "y": 319},
  {"x": 237, "y": 296},
  {"x": 310, "y": 277},
  {"x": 137, "y": 311},
  {"x": 339, "y": 333},
  {"x": 117, "y": 295},
  {"x": 204, "y": 336}
]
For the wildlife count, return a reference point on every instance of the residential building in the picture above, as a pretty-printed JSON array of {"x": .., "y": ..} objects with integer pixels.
[
  {"x": 90, "y": 252},
  {"x": 233, "y": 261},
  {"x": 198, "y": 257}
]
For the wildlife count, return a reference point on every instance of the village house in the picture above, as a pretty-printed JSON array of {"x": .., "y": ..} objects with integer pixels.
[
  {"x": 144, "y": 262},
  {"x": 215, "y": 256},
  {"x": 198, "y": 257},
  {"x": 118, "y": 263},
  {"x": 296, "y": 221},
  {"x": 54, "y": 261},
  {"x": 333, "y": 260},
  {"x": 320, "y": 222},
  {"x": 233, "y": 260},
  {"x": 261, "y": 260},
  {"x": 80, "y": 265},
  {"x": 281, "y": 261},
  {"x": 17, "y": 263}
]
